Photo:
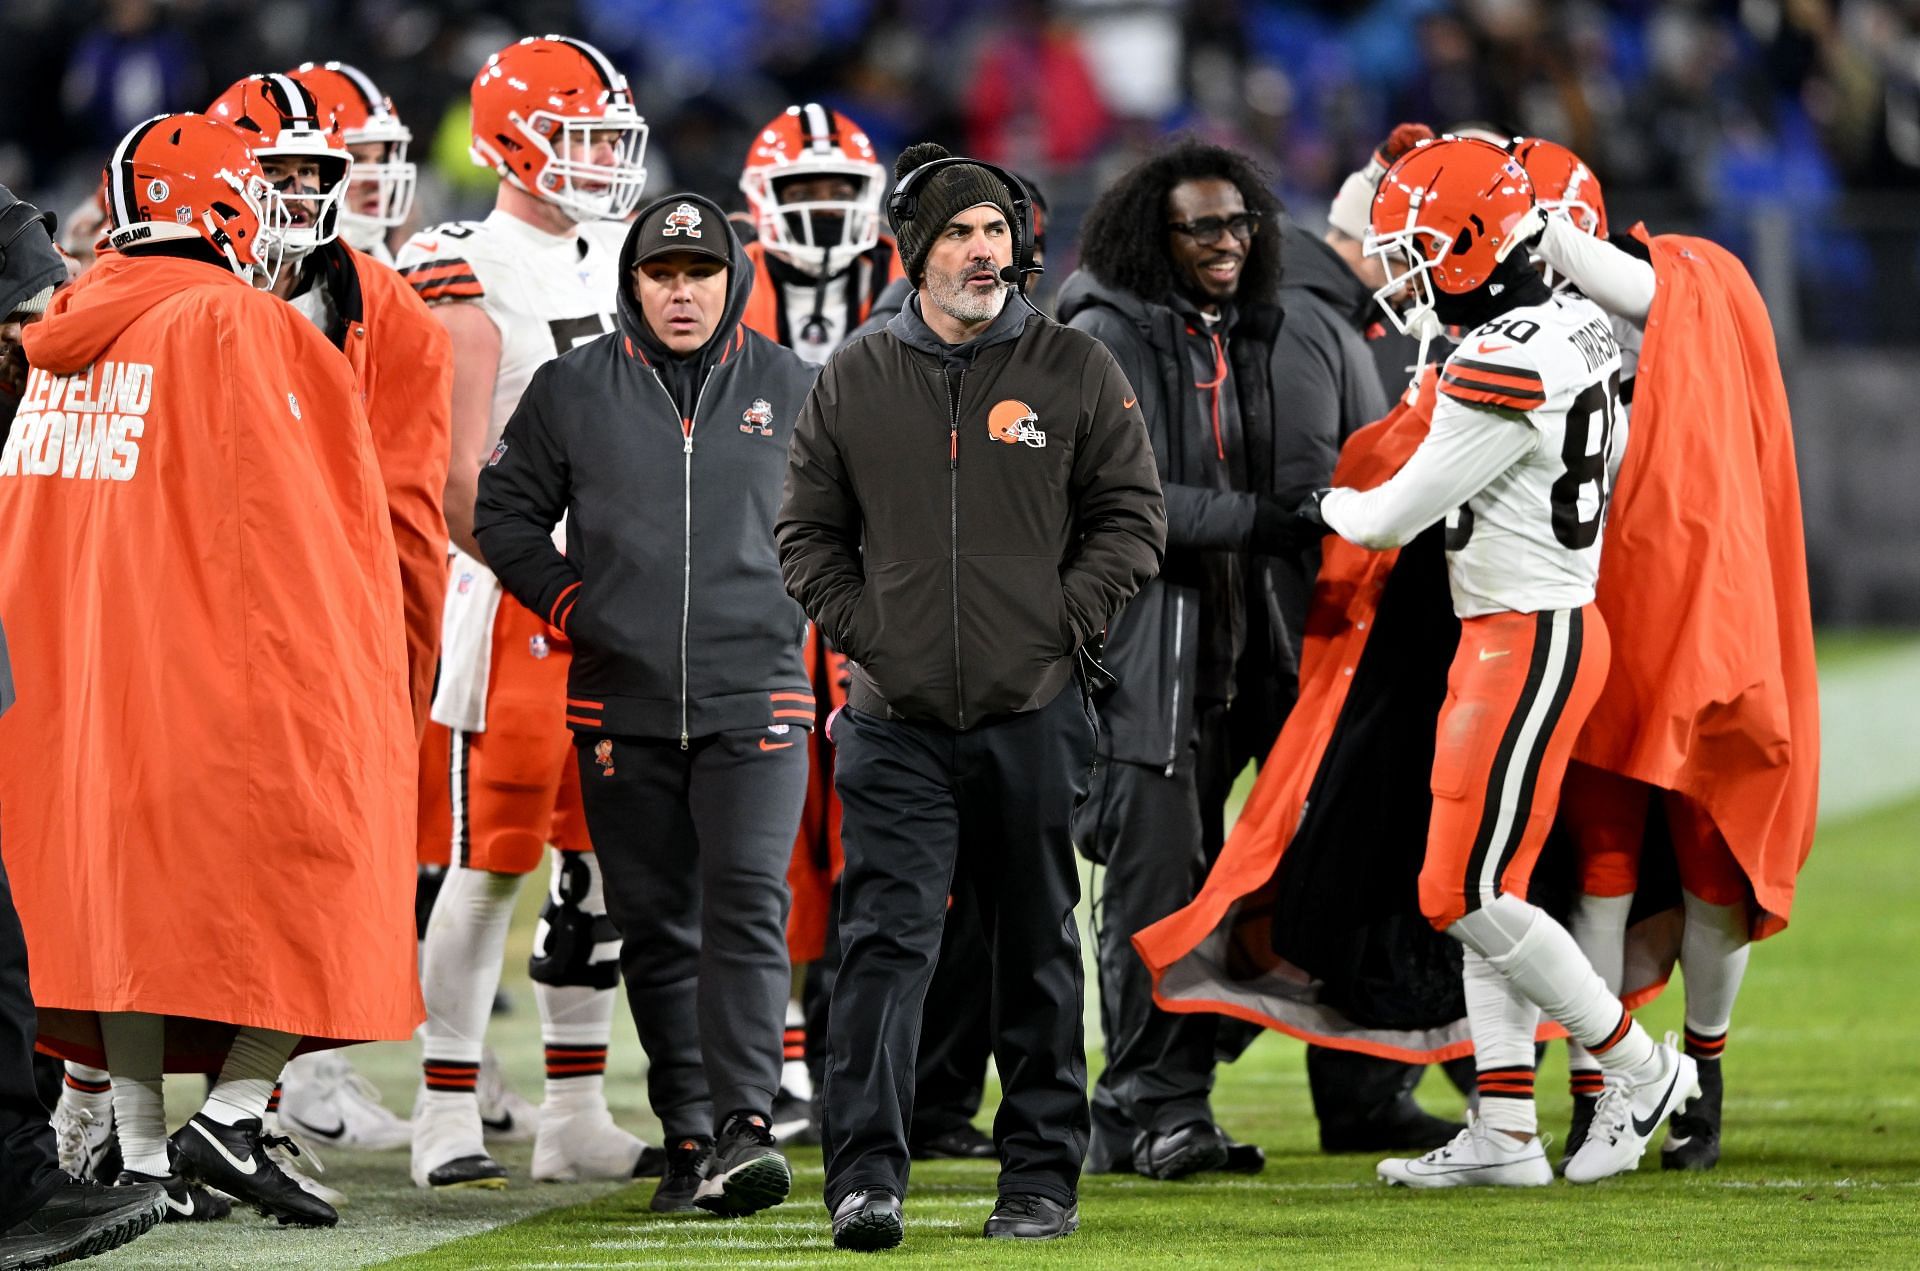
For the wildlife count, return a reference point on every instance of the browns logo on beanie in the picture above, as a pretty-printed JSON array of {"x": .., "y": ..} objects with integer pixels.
[{"x": 945, "y": 195}]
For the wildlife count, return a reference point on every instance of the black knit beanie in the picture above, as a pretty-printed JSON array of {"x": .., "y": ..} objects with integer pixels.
[
  {"x": 29, "y": 266},
  {"x": 943, "y": 196}
]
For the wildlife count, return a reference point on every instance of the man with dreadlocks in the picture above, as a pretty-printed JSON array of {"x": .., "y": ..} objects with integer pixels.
[{"x": 1179, "y": 279}]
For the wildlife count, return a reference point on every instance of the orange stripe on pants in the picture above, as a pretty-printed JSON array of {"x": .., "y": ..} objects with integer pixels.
[{"x": 1520, "y": 687}]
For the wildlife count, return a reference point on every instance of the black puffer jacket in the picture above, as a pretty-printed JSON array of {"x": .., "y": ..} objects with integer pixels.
[
  {"x": 670, "y": 586},
  {"x": 959, "y": 519},
  {"x": 1153, "y": 646}
]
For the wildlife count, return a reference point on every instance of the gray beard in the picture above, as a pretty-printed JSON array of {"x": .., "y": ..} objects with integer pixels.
[{"x": 962, "y": 305}]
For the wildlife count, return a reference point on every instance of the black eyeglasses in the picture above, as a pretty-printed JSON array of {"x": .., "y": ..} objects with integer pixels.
[{"x": 1207, "y": 228}]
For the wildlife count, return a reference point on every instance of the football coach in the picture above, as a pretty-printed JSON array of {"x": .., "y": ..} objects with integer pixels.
[{"x": 970, "y": 497}]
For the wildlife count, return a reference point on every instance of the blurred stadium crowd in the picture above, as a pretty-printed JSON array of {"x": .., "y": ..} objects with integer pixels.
[
  {"x": 1788, "y": 130},
  {"x": 1705, "y": 102}
]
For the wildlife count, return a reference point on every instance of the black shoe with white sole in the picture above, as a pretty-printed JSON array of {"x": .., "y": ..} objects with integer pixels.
[
  {"x": 233, "y": 1159},
  {"x": 867, "y": 1221},
  {"x": 79, "y": 1220},
  {"x": 185, "y": 1201},
  {"x": 747, "y": 1173}
]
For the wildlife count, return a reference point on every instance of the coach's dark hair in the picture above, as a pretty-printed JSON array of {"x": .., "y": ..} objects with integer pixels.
[{"x": 1123, "y": 241}]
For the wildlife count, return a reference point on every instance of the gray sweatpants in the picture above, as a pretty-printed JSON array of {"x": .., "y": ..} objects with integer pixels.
[{"x": 693, "y": 846}]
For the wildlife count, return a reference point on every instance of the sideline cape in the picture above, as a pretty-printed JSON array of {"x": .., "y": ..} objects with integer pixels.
[
  {"x": 207, "y": 785},
  {"x": 1310, "y": 921}
]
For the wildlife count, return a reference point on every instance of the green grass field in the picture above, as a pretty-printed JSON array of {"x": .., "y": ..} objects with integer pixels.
[{"x": 1822, "y": 1163}]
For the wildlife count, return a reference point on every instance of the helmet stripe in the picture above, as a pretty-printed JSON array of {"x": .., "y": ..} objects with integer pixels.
[
  {"x": 368, "y": 91},
  {"x": 611, "y": 78},
  {"x": 819, "y": 126},
  {"x": 125, "y": 192},
  {"x": 291, "y": 98}
]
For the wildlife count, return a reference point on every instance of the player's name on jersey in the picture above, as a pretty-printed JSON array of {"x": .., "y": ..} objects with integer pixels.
[
  {"x": 81, "y": 427},
  {"x": 1596, "y": 343}
]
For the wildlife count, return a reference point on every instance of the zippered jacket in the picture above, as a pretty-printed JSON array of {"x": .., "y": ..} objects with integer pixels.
[
  {"x": 959, "y": 520},
  {"x": 670, "y": 587},
  {"x": 1154, "y": 647}
]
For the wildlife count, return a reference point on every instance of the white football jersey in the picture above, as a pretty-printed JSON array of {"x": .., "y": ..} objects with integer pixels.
[
  {"x": 1530, "y": 540},
  {"x": 545, "y": 292}
]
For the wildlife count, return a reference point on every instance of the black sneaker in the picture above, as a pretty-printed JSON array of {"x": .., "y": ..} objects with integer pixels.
[
  {"x": 79, "y": 1220},
  {"x": 1027, "y": 1217},
  {"x": 1183, "y": 1150},
  {"x": 1693, "y": 1133},
  {"x": 868, "y": 1220},
  {"x": 747, "y": 1173},
  {"x": 964, "y": 1143},
  {"x": 686, "y": 1167},
  {"x": 1399, "y": 1125},
  {"x": 233, "y": 1159},
  {"x": 184, "y": 1201},
  {"x": 1583, "y": 1106},
  {"x": 652, "y": 1162}
]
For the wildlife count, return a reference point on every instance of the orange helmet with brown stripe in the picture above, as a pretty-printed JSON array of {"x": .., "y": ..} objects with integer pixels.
[{"x": 553, "y": 116}]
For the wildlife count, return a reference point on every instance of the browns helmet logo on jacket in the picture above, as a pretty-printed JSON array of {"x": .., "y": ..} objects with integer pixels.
[
  {"x": 758, "y": 418},
  {"x": 1013, "y": 421}
]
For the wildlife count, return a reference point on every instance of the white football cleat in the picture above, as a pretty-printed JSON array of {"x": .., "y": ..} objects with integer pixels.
[
  {"x": 575, "y": 1144},
  {"x": 505, "y": 1116},
  {"x": 86, "y": 1143},
  {"x": 1627, "y": 1116},
  {"x": 324, "y": 1100},
  {"x": 447, "y": 1147},
  {"x": 1477, "y": 1157}
]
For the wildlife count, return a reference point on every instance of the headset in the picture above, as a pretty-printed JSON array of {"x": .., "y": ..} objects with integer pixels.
[{"x": 905, "y": 201}]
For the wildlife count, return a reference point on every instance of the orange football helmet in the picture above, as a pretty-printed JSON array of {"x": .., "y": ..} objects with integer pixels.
[
  {"x": 380, "y": 189},
  {"x": 1562, "y": 183},
  {"x": 188, "y": 176},
  {"x": 819, "y": 236},
  {"x": 1447, "y": 213},
  {"x": 543, "y": 111},
  {"x": 282, "y": 120}
]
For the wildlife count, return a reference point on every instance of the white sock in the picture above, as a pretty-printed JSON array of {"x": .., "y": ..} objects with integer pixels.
[
  {"x": 459, "y": 974},
  {"x": 1540, "y": 959},
  {"x": 1713, "y": 961},
  {"x": 794, "y": 1077},
  {"x": 1598, "y": 925},
  {"x": 136, "y": 1048},
  {"x": 576, "y": 1024},
  {"x": 248, "y": 1076},
  {"x": 88, "y": 1090},
  {"x": 1503, "y": 1024}
]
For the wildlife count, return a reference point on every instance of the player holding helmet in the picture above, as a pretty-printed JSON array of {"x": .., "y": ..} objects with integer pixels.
[{"x": 539, "y": 275}]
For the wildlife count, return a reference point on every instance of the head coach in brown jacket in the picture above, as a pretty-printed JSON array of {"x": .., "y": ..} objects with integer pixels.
[{"x": 970, "y": 497}]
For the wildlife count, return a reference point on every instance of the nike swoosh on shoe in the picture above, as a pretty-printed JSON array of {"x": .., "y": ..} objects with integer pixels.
[
  {"x": 1645, "y": 1129},
  {"x": 249, "y": 1166},
  {"x": 308, "y": 1127}
]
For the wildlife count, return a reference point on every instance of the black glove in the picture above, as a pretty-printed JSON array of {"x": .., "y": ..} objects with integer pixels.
[{"x": 1280, "y": 528}]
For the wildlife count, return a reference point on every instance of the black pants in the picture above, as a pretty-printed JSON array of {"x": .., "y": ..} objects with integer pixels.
[
  {"x": 693, "y": 845},
  {"x": 928, "y": 812},
  {"x": 29, "y": 1168},
  {"x": 1156, "y": 833},
  {"x": 956, "y": 1025}
]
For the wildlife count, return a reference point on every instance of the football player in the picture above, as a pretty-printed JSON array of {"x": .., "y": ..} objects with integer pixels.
[
  {"x": 1525, "y": 443},
  {"x": 539, "y": 275},
  {"x": 814, "y": 184},
  {"x": 379, "y": 194},
  {"x": 1608, "y": 812},
  {"x": 259, "y": 728}
]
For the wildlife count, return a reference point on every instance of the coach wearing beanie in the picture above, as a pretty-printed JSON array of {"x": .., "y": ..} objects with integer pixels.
[{"x": 970, "y": 497}]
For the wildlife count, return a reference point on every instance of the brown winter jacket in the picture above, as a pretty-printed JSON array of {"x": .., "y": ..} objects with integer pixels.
[{"x": 959, "y": 520}]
